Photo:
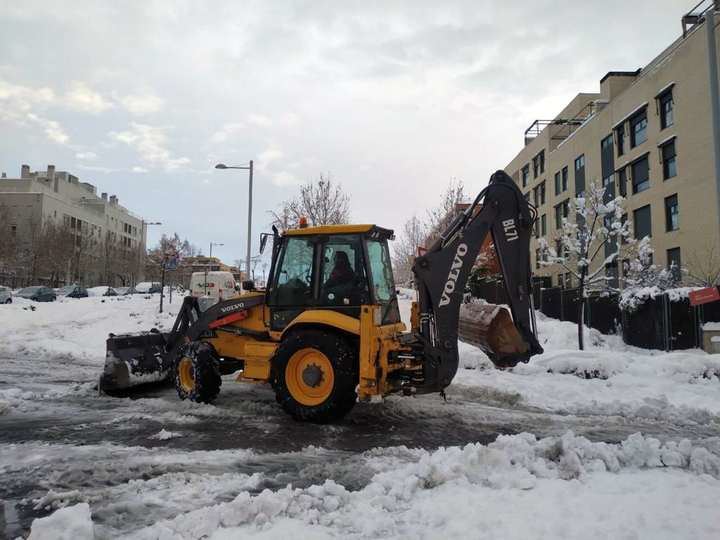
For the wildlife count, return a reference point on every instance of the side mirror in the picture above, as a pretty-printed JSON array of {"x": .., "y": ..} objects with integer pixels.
[{"x": 263, "y": 241}]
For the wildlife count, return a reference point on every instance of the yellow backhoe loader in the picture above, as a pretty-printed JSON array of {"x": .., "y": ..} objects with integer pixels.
[{"x": 326, "y": 331}]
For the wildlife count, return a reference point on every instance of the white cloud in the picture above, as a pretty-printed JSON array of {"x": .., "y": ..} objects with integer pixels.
[
  {"x": 16, "y": 100},
  {"x": 86, "y": 156},
  {"x": 82, "y": 98},
  {"x": 138, "y": 169},
  {"x": 259, "y": 120},
  {"x": 226, "y": 132},
  {"x": 53, "y": 130},
  {"x": 142, "y": 104},
  {"x": 284, "y": 178},
  {"x": 151, "y": 144},
  {"x": 266, "y": 158}
]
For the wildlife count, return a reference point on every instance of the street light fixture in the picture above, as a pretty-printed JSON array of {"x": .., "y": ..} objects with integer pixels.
[{"x": 249, "y": 168}]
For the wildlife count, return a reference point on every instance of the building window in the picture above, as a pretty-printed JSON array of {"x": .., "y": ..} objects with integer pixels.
[
  {"x": 609, "y": 185},
  {"x": 672, "y": 213},
  {"x": 525, "y": 173},
  {"x": 561, "y": 211},
  {"x": 642, "y": 222},
  {"x": 535, "y": 196},
  {"x": 543, "y": 225},
  {"x": 622, "y": 181},
  {"x": 666, "y": 105},
  {"x": 640, "y": 175},
  {"x": 538, "y": 164},
  {"x": 620, "y": 136},
  {"x": 542, "y": 192},
  {"x": 638, "y": 128},
  {"x": 674, "y": 263},
  {"x": 564, "y": 178},
  {"x": 557, "y": 183},
  {"x": 668, "y": 157},
  {"x": 537, "y": 259},
  {"x": 580, "y": 175}
]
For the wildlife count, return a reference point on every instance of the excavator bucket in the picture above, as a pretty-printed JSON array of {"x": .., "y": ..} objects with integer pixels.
[
  {"x": 135, "y": 359},
  {"x": 491, "y": 328}
]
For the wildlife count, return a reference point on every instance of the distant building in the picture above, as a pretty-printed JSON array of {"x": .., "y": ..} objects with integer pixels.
[
  {"x": 59, "y": 229},
  {"x": 647, "y": 135}
]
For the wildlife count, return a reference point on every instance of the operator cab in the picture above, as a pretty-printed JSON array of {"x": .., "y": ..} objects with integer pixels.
[{"x": 336, "y": 267}]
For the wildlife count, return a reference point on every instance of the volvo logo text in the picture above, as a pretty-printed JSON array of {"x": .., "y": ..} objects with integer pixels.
[{"x": 453, "y": 275}]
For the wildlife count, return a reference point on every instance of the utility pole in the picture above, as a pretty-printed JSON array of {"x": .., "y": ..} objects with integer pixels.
[{"x": 248, "y": 168}]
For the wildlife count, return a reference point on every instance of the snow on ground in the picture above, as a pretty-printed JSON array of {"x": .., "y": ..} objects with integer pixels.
[{"x": 157, "y": 467}]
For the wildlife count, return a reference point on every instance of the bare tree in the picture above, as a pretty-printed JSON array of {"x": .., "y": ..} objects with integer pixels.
[
  {"x": 703, "y": 266},
  {"x": 405, "y": 249},
  {"x": 321, "y": 202},
  {"x": 595, "y": 236},
  {"x": 440, "y": 217}
]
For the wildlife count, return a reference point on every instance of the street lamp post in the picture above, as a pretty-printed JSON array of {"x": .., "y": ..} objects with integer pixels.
[
  {"x": 210, "y": 262},
  {"x": 248, "y": 168}
]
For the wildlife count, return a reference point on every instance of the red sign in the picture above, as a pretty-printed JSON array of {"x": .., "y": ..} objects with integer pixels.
[{"x": 704, "y": 296}]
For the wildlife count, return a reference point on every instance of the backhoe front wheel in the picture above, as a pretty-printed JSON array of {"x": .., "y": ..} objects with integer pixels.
[
  {"x": 197, "y": 375},
  {"x": 315, "y": 375}
]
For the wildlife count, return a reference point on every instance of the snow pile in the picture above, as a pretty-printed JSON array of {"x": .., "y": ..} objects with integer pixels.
[
  {"x": 625, "y": 380},
  {"x": 70, "y": 523},
  {"x": 414, "y": 498},
  {"x": 77, "y": 327}
]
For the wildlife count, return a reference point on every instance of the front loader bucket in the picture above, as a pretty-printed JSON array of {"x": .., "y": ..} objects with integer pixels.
[
  {"x": 135, "y": 359},
  {"x": 490, "y": 327}
]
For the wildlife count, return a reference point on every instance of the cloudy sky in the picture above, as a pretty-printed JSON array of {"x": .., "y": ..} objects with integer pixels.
[{"x": 392, "y": 99}]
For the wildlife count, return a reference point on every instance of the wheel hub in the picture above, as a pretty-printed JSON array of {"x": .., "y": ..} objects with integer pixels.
[{"x": 312, "y": 375}]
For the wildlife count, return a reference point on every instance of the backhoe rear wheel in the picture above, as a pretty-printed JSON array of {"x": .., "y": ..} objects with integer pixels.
[
  {"x": 197, "y": 374},
  {"x": 315, "y": 375}
]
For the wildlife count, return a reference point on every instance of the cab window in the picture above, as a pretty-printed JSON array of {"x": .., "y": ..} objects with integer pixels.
[
  {"x": 343, "y": 280},
  {"x": 294, "y": 277},
  {"x": 381, "y": 270}
]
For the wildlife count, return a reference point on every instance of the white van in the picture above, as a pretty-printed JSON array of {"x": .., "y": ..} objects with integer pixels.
[{"x": 219, "y": 286}]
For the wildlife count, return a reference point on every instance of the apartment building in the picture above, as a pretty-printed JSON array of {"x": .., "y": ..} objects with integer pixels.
[
  {"x": 97, "y": 225},
  {"x": 646, "y": 135}
]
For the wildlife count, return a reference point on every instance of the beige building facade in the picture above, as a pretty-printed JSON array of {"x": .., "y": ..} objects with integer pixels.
[
  {"x": 106, "y": 240},
  {"x": 646, "y": 135}
]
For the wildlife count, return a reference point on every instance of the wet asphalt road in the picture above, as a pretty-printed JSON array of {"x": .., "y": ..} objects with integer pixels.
[{"x": 65, "y": 417}]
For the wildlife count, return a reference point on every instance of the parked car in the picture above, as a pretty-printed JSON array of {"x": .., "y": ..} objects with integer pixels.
[
  {"x": 148, "y": 287},
  {"x": 5, "y": 295},
  {"x": 124, "y": 291},
  {"x": 38, "y": 294},
  {"x": 73, "y": 291},
  {"x": 102, "y": 290}
]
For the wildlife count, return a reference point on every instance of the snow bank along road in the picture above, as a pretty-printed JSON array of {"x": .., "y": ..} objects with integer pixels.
[{"x": 537, "y": 452}]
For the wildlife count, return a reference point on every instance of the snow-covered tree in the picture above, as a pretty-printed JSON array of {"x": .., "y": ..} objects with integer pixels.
[
  {"x": 642, "y": 278},
  {"x": 592, "y": 240},
  {"x": 321, "y": 202}
]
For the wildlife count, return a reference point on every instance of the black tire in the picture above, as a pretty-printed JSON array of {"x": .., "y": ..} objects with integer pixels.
[
  {"x": 197, "y": 373},
  {"x": 343, "y": 357}
]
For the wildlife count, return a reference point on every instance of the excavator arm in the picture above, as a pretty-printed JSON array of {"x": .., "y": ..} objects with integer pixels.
[{"x": 442, "y": 273}]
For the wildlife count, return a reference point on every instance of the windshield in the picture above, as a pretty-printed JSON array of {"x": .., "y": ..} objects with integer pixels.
[
  {"x": 381, "y": 270},
  {"x": 29, "y": 290},
  {"x": 67, "y": 289}
]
